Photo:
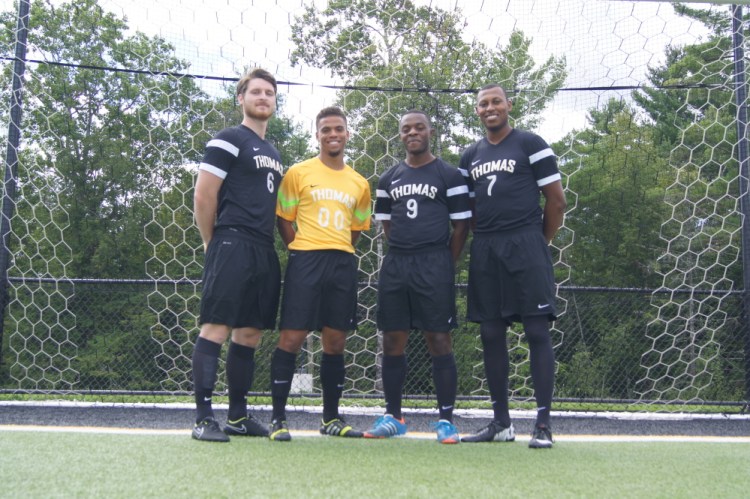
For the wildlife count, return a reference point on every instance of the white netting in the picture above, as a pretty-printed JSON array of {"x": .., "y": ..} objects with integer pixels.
[{"x": 637, "y": 98}]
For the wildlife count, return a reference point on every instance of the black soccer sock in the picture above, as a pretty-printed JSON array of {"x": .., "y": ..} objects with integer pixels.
[
  {"x": 332, "y": 376},
  {"x": 496, "y": 367},
  {"x": 240, "y": 370},
  {"x": 282, "y": 372},
  {"x": 542, "y": 360},
  {"x": 205, "y": 364},
  {"x": 394, "y": 374},
  {"x": 445, "y": 377}
]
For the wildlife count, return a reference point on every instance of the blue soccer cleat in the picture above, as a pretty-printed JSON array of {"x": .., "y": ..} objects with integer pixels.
[
  {"x": 446, "y": 432},
  {"x": 387, "y": 426}
]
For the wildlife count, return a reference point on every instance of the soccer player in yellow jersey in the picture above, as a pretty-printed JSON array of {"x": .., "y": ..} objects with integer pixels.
[{"x": 330, "y": 204}]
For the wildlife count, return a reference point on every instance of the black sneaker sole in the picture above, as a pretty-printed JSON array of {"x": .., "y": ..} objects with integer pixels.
[
  {"x": 281, "y": 437},
  {"x": 233, "y": 431},
  {"x": 209, "y": 438},
  {"x": 540, "y": 446}
]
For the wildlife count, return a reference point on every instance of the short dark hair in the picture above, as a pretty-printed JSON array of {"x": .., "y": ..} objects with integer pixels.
[
  {"x": 418, "y": 111},
  {"x": 330, "y": 111},
  {"x": 255, "y": 73},
  {"x": 493, "y": 85}
]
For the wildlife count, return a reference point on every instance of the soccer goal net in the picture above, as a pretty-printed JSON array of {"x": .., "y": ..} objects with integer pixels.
[{"x": 106, "y": 107}]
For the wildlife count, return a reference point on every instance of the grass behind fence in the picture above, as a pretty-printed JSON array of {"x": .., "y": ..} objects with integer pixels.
[{"x": 41, "y": 464}]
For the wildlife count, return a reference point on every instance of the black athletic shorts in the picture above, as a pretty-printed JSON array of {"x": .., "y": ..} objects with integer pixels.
[
  {"x": 241, "y": 282},
  {"x": 417, "y": 291},
  {"x": 320, "y": 289},
  {"x": 510, "y": 277}
]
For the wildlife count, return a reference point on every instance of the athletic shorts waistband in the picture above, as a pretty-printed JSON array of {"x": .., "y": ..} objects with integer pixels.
[
  {"x": 241, "y": 234},
  {"x": 322, "y": 252},
  {"x": 510, "y": 232},
  {"x": 418, "y": 251}
]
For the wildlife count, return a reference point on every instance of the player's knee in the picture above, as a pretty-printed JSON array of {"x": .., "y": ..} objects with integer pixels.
[
  {"x": 291, "y": 341},
  {"x": 439, "y": 344},
  {"x": 333, "y": 341},
  {"x": 216, "y": 333},
  {"x": 394, "y": 342},
  {"x": 493, "y": 331},
  {"x": 536, "y": 330},
  {"x": 249, "y": 337}
]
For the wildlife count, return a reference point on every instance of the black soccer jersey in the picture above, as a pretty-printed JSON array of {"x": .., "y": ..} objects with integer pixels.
[
  {"x": 251, "y": 169},
  {"x": 419, "y": 202},
  {"x": 505, "y": 180}
]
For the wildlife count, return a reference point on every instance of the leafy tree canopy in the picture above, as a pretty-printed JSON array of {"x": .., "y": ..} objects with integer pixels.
[
  {"x": 619, "y": 179},
  {"x": 421, "y": 55}
]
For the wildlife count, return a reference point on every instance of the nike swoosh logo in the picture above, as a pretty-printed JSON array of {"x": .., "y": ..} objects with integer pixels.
[
  {"x": 238, "y": 429},
  {"x": 256, "y": 148},
  {"x": 313, "y": 186},
  {"x": 542, "y": 306},
  {"x": 394, "y": 181},
  {"x": 446, "y": 407},
  {"x": 279, "y": 381},
  {"x": 475, "y": 162},
  {"x": 207, "y": 399}
]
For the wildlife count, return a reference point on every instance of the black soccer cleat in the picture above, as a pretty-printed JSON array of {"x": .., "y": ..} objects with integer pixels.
[
  {"x": 541, "y": 438},
  {"x": 337, "y": 427},
  {"x": 493, "y": 432},
  {"x": 246, "y": 427},
  {"x": 209, "y": 430},
  {"x": 279, "y": 431}
]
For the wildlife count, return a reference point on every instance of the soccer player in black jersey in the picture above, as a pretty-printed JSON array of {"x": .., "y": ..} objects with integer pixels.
[
  {"x": 235, "y": 201},
  {"x": 510, "y": 273},
  {"x": 417, "y": 201}
]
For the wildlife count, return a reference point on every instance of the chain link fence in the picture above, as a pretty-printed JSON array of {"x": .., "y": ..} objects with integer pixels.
[{"x": 113, "y": 342}]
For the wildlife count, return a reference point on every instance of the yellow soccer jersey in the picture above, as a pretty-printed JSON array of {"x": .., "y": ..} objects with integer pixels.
[{"x": 326, "y": 204}]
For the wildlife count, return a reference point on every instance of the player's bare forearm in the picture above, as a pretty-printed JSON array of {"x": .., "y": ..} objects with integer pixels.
[
  {"x": 554, "y": 209},
  {"x": 551, "y": 225},
  {"x": 458, "y": 238},
  {"x": 386, "y": 229},
  {"x": 205, "y": 205},
  {"x": 355, "y": 236},
  {"x": 286, "y": 230},
  {"x": 205, "y": 223}
]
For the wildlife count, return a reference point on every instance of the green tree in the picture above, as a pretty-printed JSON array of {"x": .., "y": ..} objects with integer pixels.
[
  {"x": 619, "y": 179},
  {"x": 692, "y": 104},
  {"x": 616, "y": 176},
  {"x": 419, "y": 54},
  {"x": 104, "y": 141},
  {"x": 691, "y": 101},
  {"x": 106, "y": 172}
]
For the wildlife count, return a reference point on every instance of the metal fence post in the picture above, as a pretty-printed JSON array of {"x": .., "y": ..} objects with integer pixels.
[
  {"x": 742, "y": 149},
  {"x": 11, "y": 156}
]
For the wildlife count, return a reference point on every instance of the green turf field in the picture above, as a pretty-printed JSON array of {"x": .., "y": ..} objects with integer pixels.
[{"x": 42, "y": 464}]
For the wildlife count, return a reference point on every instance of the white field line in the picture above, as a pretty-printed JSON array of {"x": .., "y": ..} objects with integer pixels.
[
  {"x": 376, "y": 411},
  {"x": 413, "y": 435}
]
